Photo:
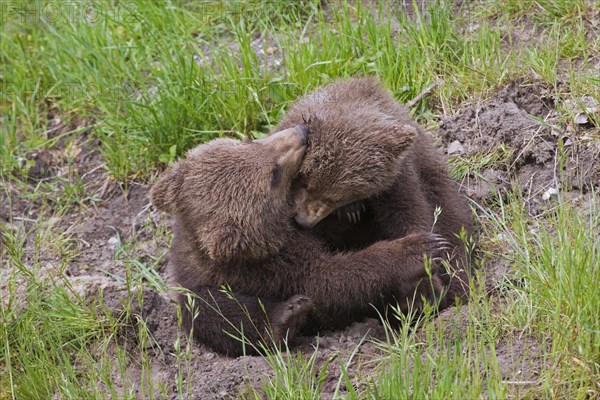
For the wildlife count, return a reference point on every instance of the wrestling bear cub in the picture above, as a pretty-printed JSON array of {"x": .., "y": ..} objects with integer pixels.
[
  {"x": 235, "y": 209},
  {"x": 371, "y": 174}
]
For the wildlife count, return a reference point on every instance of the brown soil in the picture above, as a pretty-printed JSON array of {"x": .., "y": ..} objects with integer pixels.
[
  {"x": 545, "y": 153},
  {"x": 122, "y": 215}
]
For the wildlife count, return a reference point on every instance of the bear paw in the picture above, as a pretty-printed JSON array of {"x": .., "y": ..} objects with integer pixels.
[
  {"x": 432, "y": 289},
  {"x": 289, "y": 317},
  {"x": 425, "y": 284}
]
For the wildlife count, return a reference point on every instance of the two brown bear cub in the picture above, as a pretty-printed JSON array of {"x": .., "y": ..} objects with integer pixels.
[{"x": 237, "y": 205}]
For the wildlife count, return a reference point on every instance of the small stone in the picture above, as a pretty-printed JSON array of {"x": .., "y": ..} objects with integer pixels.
[
  {"x": 549, "y": 193},
  {"x": 456, "y": 148},
  {"x": 581, "y": 119},
  {"x": 113, "y": 241}
]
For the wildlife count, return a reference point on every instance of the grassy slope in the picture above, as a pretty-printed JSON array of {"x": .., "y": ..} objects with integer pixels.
[{"x": 153, "y": 78}]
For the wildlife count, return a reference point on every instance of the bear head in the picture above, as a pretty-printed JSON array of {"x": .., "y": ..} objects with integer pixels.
[
  {"x": 234, "y": 197},
  {"x": 354, "y": 152}
]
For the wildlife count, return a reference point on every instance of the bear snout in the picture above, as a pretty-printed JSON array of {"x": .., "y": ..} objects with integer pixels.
[
  {"x": 302, "y": 222},
  {"x": 287, "y": 140}
]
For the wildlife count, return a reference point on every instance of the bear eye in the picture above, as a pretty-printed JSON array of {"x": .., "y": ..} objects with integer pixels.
[{"x": 276, "y": 176}]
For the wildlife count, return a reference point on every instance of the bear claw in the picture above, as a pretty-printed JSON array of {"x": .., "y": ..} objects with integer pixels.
[
  {"x": 437, "y": 244},
  {"x": 352, "y": 212}
]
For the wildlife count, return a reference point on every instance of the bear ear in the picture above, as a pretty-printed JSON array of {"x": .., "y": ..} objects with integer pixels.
[
  {"x": 165, "y": 191},
  {"x": 226, "y": 245}
]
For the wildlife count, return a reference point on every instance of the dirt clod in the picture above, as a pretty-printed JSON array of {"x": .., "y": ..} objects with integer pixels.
[{"x": 544, "y": 153}]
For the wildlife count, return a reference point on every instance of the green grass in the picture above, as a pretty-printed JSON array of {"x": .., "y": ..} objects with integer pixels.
[
  {"x": 444, "y": 360},
  {"x": 150, "y": 88},
  {"x": 556, "y": 262},
  {"x": 569, "y": 11},
  {"x": 474, "y": 164},
  {"x": 146, "y": 80},
  {"x": 54, "y": 341},
  {"x": 45, "y": 331}
]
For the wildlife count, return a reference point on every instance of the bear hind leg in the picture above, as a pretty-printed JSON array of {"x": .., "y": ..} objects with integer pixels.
[{"x": 236, "y": 324}]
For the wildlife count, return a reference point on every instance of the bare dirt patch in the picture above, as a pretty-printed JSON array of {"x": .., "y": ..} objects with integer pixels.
[
  {"x": 210, "y": 375},
  {"x": 543, "y": 154}
]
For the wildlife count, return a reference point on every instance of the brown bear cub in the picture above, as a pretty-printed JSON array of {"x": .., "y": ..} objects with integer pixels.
[
  {"x": 371, "y": 174},
  {"x": 234, "y": 228}
]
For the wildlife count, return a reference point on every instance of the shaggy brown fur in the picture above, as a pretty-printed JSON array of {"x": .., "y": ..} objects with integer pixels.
[
  {"x": 371, "y": 163},
  {"x": 233, "y": 209}
]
